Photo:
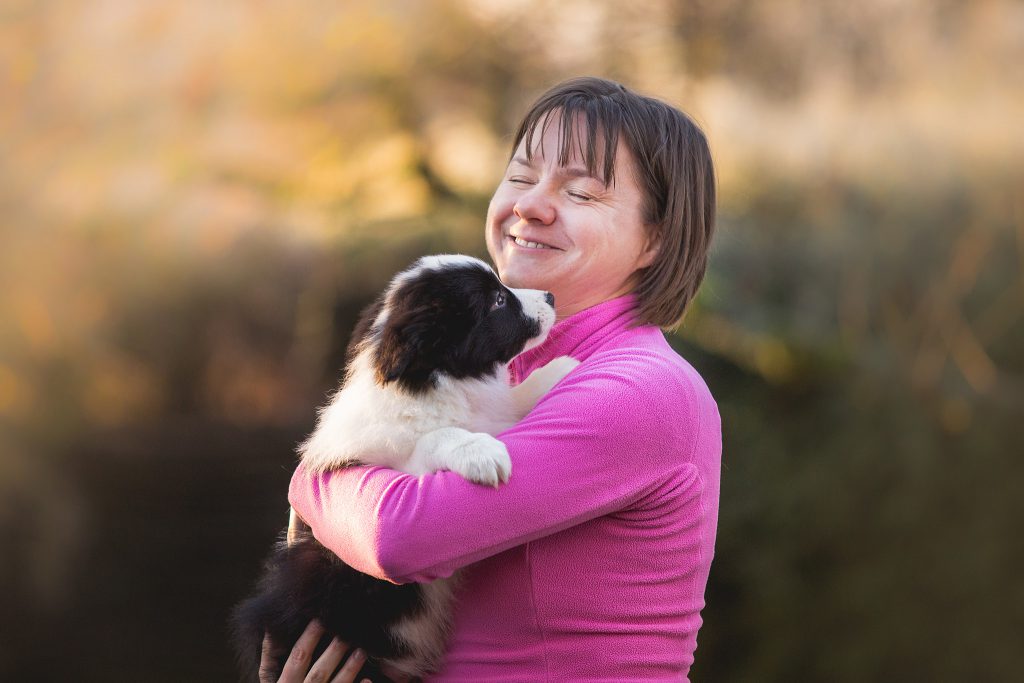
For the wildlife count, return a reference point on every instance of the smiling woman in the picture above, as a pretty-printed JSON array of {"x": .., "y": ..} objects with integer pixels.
[
  {"x": 640, "y": 172},
  {"x": 580, "y": 235},
  {"x": 608, "y": 203}
]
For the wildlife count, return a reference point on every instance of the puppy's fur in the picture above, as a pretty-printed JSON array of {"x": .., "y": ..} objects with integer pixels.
[{"x": 426, "y": 387}]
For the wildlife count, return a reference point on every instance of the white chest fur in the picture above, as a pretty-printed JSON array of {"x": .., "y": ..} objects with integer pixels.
[{"x": 382, "y": 425}]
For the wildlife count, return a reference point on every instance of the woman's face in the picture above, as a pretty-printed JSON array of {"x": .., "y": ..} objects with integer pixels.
[{"x": 559, "y": 229}]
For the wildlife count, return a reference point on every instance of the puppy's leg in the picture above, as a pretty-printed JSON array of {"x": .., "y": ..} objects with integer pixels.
[
  {"x": 541, "y": 381},
  {"x": 480, "y": 458}
]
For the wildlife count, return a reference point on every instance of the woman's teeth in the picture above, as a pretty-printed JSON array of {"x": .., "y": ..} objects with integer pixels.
[{"x": 530, "y": 245}]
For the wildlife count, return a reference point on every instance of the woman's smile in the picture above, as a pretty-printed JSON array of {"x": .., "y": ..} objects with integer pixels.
[{"x": 531, "y": 245}]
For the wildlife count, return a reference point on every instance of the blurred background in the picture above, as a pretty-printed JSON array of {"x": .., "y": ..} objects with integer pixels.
[{"x": 197, "y": 198}]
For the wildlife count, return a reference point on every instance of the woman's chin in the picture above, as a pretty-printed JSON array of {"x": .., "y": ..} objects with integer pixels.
[{"x": 525, "y": 278}]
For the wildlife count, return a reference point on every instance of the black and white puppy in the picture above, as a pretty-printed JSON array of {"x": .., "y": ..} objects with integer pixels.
[{"x": 426, "y": 387}]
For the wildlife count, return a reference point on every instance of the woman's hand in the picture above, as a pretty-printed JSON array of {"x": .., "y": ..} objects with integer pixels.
[{"x": 297, "y": 669}]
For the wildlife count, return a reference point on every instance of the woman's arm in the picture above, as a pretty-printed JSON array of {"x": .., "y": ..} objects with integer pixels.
[{"x": 605, "y": 437}]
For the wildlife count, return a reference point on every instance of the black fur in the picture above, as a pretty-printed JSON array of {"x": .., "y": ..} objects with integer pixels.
[
  {"x": 306, "y": 581},
  {"x": 445, "y": 322},
  {"x": 458, "y": 321}
]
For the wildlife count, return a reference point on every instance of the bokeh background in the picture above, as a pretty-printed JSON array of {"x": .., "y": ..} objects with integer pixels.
[{"x": 197, "y": 198}]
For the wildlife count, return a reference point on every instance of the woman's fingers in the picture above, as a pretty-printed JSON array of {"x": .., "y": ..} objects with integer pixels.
[
  {"x": 297, "y": 665},
  {"x": 267, "y": 660},
  {"x": 347, "y": 673},
  {"x": 330, "y": 660},
  {"x": 327, "y": 663}
]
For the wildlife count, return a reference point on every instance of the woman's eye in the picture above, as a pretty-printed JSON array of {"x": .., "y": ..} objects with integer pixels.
[
  {"x": 580, "y": 196},
  {"x": 499, "y": 301}
]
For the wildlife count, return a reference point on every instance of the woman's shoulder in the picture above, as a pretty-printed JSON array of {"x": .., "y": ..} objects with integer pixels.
[
  {"x": 644, "y": 392},
  {"x": 642, "y": 396},
  {"x": 645, "y": 361}
]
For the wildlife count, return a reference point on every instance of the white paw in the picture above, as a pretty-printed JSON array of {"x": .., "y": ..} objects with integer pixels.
[
  {"x": 482, "y": 459},
  {"x": 560, "y": 367}
]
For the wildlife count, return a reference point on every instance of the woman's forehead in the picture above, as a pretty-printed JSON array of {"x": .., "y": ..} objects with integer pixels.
[{"x": 571, "y": 142}]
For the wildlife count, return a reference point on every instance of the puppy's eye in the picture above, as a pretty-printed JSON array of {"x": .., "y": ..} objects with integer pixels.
[{"x": 499, "y": 301}]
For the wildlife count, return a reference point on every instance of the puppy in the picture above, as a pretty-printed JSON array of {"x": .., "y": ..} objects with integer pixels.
[{"x": 426, "y": 387}]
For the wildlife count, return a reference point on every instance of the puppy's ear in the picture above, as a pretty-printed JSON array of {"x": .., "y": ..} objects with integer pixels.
[
  {"x": 361, "y": 332},
  {"x": 404, "y": 353},
  {"x": 395, "y": 353}
]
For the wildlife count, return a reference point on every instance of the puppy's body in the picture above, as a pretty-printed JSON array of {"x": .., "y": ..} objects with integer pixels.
[
  {"x": 426, "y": 387},
  {"x": 366, "y": 421}
]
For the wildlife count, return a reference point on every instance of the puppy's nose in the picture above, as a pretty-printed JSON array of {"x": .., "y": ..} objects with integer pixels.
[{"x": 550, "y": 298}]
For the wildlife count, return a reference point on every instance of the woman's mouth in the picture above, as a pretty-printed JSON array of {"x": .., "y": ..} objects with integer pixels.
[{"x": 527, "y": 244}]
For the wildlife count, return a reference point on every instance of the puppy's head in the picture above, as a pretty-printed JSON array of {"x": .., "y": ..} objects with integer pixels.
[{"x": 450, "y": 316}]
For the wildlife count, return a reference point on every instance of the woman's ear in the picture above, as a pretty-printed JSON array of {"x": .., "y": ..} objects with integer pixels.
[{"x": 651, "y": 248}]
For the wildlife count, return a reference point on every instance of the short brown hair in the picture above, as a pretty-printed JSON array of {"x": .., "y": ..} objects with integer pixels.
[{"x": 674, "y": 171}]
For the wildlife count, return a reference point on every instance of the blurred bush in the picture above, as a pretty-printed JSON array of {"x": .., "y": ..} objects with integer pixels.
[{"x": 198, "y": 198}]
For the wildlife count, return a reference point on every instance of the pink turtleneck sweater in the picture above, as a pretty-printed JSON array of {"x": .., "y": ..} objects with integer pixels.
[{"x": 590, "y": 564}]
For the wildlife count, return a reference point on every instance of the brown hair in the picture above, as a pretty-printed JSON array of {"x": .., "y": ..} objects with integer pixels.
[{"x": 674, "y": 172}]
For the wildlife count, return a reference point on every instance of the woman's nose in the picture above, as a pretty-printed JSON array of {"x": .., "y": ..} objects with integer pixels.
[{"x": 535, "y": 205}]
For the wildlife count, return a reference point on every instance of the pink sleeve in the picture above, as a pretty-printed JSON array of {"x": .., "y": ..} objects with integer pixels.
[{"x": 606, "y": 436}]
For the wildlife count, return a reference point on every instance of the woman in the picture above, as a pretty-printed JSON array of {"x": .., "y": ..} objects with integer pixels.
[{"x": 591, "y": 562}]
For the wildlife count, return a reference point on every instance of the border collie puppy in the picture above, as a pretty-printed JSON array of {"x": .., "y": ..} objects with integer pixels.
[{"x": 425, "y": 388}]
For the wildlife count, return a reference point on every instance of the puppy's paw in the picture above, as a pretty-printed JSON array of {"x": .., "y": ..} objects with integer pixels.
[
  {"x": 558, "y": 368},
  {"x": 480, "y": 458},
  {"x": 545, "y": 378}
]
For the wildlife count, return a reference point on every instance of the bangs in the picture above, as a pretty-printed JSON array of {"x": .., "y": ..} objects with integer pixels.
[{"x": 599, "y": 120}]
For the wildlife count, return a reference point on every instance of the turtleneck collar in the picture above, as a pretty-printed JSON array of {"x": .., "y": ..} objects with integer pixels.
[{"x": 578, "y": 335}]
